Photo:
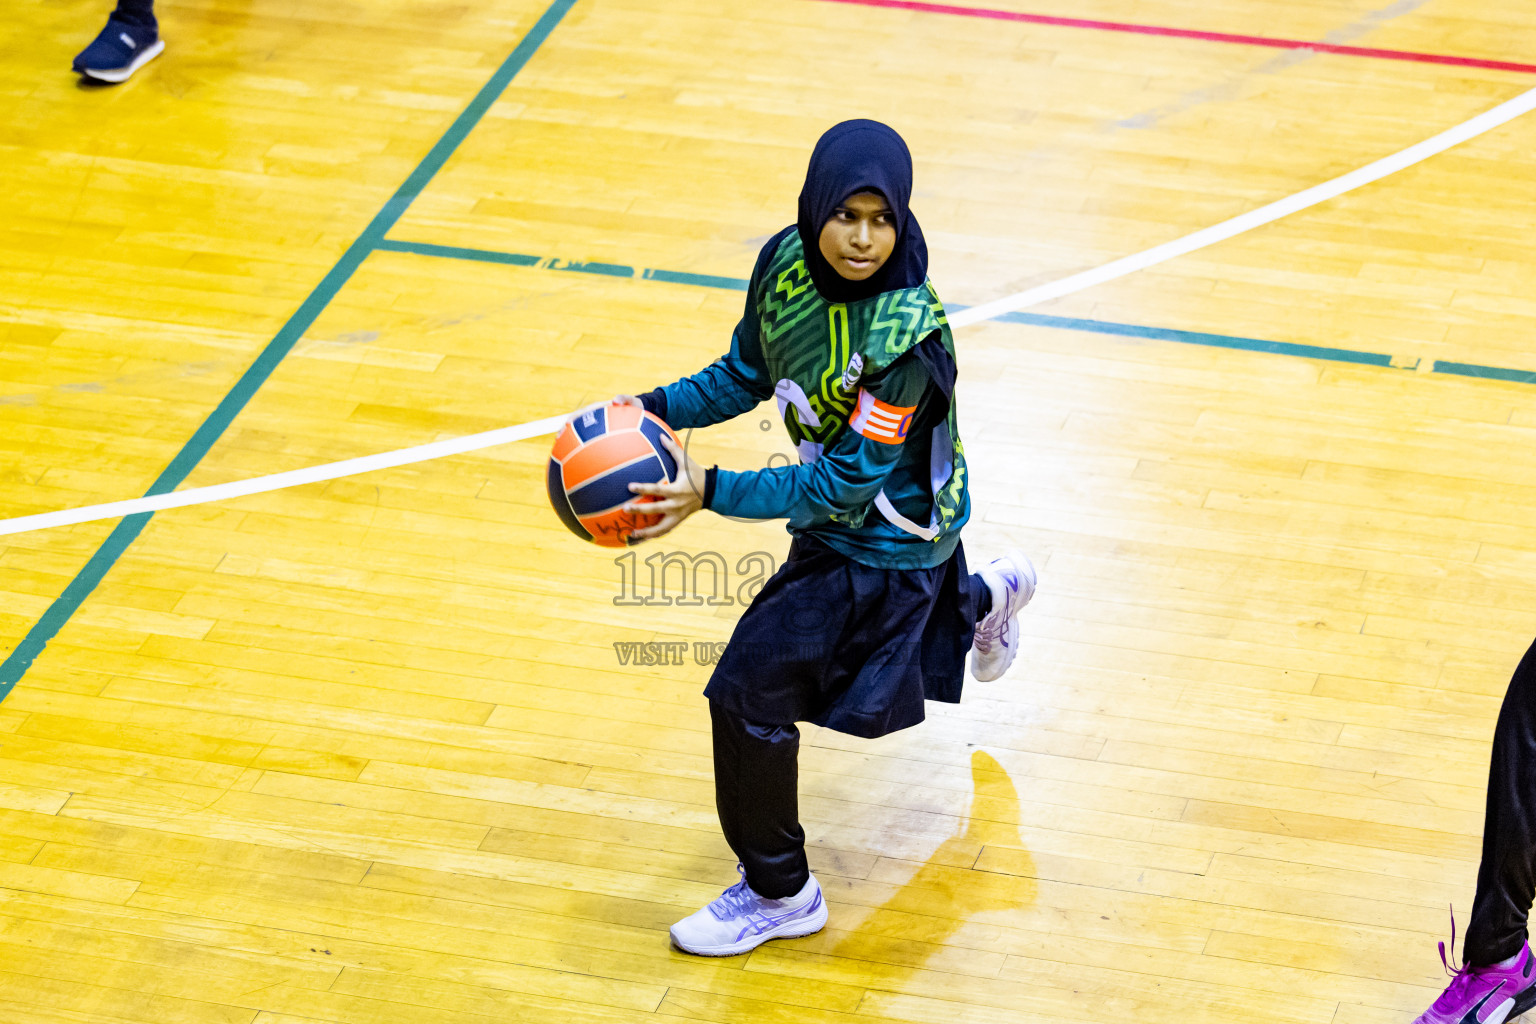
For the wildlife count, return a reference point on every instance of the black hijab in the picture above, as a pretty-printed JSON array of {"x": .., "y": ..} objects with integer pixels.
[{"x": 852, "y": 157}]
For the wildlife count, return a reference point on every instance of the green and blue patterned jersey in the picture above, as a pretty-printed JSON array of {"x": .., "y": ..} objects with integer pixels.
[{"x": 865, "y": 390}]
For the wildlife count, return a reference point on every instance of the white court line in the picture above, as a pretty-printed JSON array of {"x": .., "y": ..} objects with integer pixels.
[
  {"x": 279, "y": 481},
  {"x": 1484, "y": 122}
]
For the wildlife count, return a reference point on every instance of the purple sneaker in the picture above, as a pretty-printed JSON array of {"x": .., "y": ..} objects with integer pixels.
[
  {"x": 1484, "y": 995},
  {"x": 740, "y": 920}
]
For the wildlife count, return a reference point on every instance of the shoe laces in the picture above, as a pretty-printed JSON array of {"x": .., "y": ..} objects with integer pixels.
[
  {"x": 1461, "y": 977},
  {"x": 991, "y": 630},
  {"x": 737, "y": 901},
  {"x": 1452, "y": 972}
]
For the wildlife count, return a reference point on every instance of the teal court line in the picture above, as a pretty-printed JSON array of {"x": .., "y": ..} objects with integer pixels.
[
  {"x": 1486, "y": 372},
  {"x": 128, "y": 529},
  {"x": 1285, "y": 348}
]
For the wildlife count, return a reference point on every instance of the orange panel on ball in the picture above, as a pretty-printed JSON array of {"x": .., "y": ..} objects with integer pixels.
[
  {"x": 602, "y": 454},
  {"x": 612, "y": 529},
  {"x": 565, "y": 443},
  {"x": 624, "y": 417}
]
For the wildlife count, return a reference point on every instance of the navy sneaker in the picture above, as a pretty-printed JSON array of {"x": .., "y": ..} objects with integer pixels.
[{"x": 119, "y": 51}]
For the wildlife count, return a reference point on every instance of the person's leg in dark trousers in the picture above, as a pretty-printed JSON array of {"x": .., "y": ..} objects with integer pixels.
[
  {"x": 757, "y": 780},
  {"x": 978, "y": 597},
  {"x": 1506, "y": 878},
  {"x": 136, "y": 12}
]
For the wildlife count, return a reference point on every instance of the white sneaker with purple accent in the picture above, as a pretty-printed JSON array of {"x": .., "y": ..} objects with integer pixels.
[
  {"x": 1011, "y": 579},
  {"x": 740, "y": 920}
]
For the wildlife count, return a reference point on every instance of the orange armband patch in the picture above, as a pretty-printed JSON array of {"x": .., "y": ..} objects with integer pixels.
[{"x": 881, "y": 421}]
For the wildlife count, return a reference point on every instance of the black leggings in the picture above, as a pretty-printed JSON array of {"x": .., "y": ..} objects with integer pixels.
[
  {"x": 757, "y": 793},
  {"x": 136, "y": 12},
  {"x": 1506, "y": 879}
]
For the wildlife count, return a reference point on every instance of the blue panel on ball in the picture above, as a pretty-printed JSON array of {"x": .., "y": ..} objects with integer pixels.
[
  {"x": 592, "y": 423},
  {"x": 562, "y": 505},
  {"x": 612, "y": 488},
  {"x": 653, "y": 433}
]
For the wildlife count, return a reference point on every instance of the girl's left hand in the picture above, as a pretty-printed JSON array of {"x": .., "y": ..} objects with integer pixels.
[
  {"x": 676, "y": 501},
  {"x": 615, "y": 400}
]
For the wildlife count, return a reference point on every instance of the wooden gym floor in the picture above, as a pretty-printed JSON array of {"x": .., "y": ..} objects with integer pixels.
[{"x": 368, "y": 753}]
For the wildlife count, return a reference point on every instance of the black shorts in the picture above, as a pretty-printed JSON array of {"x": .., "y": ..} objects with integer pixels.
[{"x": 842, "y": 645}]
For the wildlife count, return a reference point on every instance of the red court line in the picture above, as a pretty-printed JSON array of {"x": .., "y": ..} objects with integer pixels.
[{"x": 1187, "y": 33}]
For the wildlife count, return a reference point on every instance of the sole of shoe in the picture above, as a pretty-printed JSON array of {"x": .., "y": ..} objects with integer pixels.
[
  {"x": 1027, "y": 572},
  {"x": 793, "y": 930},
  {"x": 1029, "y": 576},
  {"x": 115, "y": 75}
]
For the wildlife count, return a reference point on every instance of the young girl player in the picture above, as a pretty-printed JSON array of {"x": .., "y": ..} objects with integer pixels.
[{"x": 873, "y": 610}]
